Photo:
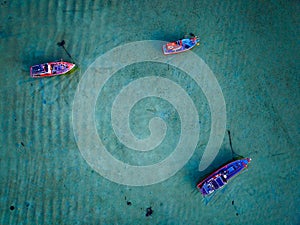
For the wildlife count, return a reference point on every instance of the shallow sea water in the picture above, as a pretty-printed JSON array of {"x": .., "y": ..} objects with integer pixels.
[{"x": 250, "y": 46}]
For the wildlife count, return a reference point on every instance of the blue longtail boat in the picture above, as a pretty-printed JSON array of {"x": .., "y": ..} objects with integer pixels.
[{"x": 219, "y": 178}]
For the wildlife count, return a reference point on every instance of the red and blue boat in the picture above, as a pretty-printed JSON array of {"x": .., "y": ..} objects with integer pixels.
[
  {"x": 181, "y": 45},
  {"x": 51, "y": 69},
  {"x": 219, "y": 178}
]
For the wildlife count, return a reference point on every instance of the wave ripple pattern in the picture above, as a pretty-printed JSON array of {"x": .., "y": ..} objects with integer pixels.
[{"x": 94, "y": 79}]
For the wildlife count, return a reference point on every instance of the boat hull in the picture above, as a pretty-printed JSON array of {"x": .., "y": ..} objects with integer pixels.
[
  {"x": 180, "y": 46},
  {"x": 219, "y": 178},
  {"x": 51, "y": 69}
]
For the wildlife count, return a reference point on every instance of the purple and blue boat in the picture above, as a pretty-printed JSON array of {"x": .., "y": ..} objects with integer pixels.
[
  {"x": 219, "y": 178},
  {"x": 51, "y": 69}
]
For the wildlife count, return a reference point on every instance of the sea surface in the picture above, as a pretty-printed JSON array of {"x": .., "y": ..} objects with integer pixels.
[{"x": 125, "y": 147}]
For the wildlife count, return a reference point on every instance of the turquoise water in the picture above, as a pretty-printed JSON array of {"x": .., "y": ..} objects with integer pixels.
[{"x": 252, "y": 49}]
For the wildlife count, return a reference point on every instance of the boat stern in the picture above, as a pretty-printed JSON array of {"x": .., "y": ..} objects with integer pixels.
[
  {"x": 38, "y": 70},
  {"x": 165, "y": 50}
]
